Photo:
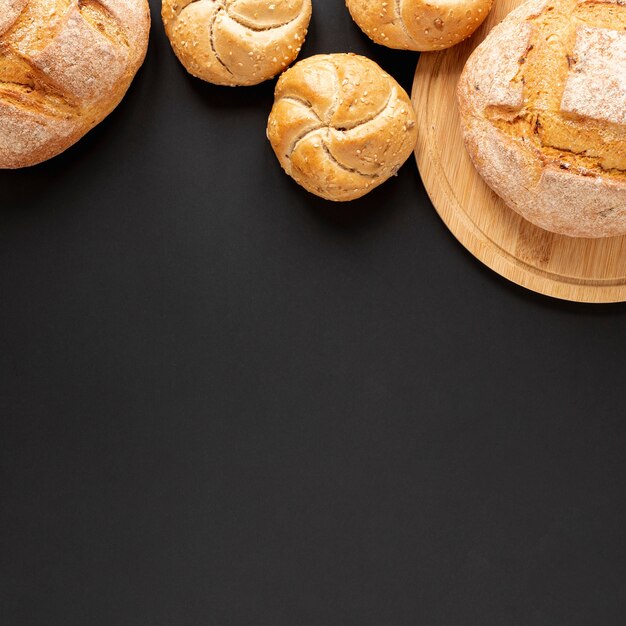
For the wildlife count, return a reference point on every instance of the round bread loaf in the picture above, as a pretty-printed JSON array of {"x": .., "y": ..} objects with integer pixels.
[
  {"x": 64, "y": 66},
  {"x": 340, "y": 125},
  {"x": 236, "y": 42},
  {"x": 543, "y": 108},
  {"x": 418, "y": 24}
]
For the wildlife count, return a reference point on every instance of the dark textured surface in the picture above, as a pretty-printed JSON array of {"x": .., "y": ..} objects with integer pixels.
[{"x": 223, "y": 401}]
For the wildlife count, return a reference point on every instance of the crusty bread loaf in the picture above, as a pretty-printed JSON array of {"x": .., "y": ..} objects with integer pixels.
[
  {"x": 64, "y": 66},
  {"x": 340, "y": 125},
  {"x": 418, "y": 24},
  {"x": 236, "y": 42},
  {"x": 543, "y": 108}
]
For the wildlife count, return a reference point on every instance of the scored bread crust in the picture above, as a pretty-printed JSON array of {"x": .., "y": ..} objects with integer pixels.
[
  {"x": 340, "y": 125},
  {"x": 64, "y": 66},
  {"x": 236, "y": 42},
  {"x": 542, "y": 102},
  {"x": 418, "y": 24}
]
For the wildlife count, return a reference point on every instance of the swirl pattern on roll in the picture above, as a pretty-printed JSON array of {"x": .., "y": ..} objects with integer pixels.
[
  {"x": 236, "y": 42},
  {"x": 418, "y": 24},
  {"x": 340, "y": 125}
]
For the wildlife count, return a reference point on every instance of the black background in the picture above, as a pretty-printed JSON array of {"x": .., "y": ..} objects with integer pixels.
[{"x": 225, "y": 401}]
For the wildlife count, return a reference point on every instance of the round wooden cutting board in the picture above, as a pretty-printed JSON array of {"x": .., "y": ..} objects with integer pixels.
[{"x": 583, "y": 270}]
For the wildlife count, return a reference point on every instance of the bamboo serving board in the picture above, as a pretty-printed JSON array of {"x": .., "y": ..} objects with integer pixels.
[{"x": 583, "y": 270}]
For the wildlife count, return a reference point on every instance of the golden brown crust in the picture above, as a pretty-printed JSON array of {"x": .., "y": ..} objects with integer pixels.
[
  {"x": 236, "y": 42},
  {"x": 542, "y": 104},
  {"x": 64, "y": 66},
  {"x": 418, "y": 24},
  {"x": 340, "y": 125}
]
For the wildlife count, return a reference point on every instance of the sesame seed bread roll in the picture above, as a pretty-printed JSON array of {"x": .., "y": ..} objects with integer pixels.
[
  {"x": 340, "y": 126},
  {"x": 64, "y": 66},
  {"x": 543, "y": 110},
  {"x": 236, "y": 42},
  {"x": 418, "y": 24}
]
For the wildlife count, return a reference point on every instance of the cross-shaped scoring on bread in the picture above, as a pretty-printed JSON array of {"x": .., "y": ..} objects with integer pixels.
[
  {"x": 543, "y": 104},
  {"x": 236, "y": 42},
  {"x": 64, "y": 65},
  {"x": 340, "y": 125}
]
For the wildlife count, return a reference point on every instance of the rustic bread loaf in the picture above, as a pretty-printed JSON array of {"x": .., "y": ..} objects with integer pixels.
[
  {"x": 236, "y": 42},
  {"x": 64, "y": 66},
  {"x": 340, "y": 125},
  {"x": 418, "y": 24},
  {"x": 543, "y": 108}
]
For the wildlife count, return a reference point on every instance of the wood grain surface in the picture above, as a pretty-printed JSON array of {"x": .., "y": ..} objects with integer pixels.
[{"x": 583, "y": 270}]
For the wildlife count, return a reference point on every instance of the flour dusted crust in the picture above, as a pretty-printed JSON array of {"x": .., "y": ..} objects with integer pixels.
[
  {"x": 340, "y": 125},
  {"x": 64, "y": 66},
  {"x": 236, "y": 42},
  {"x": 418, "y": 24},
  {"x": 543, "y": 109}
]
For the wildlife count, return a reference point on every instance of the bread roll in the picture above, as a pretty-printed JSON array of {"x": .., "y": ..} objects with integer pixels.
[
  {"x": 543, "y": 108},
  {"x": 340, "y": 125},
  {"x": 64, "y": 66},
  {"x": 418, "y": 24},
  {"x": 236, "y": 42}
]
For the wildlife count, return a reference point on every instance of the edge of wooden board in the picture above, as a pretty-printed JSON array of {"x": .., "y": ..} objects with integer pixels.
[{"x": 442, "y": 195}]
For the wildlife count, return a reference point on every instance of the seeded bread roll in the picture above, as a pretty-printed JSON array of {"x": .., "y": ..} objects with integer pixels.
[
  {"x": 236, "y": 42},
  {"x": 340, "y": 125},
  {"x": 418, "y": 24},
  {"x": 543, "y": 108},
  {"x": 64, "y": 66}
]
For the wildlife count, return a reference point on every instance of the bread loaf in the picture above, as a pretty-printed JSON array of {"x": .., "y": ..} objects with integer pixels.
[
  {"x": 418, "y": 24},
  {"x": 340, "y": 125},
  {"x": 236, "y": 42},
  {"x": 64, "y": 66},
  {"x": 543, "y": 108}
]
